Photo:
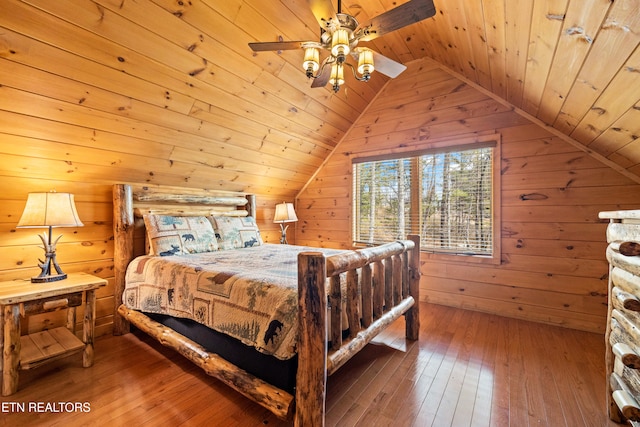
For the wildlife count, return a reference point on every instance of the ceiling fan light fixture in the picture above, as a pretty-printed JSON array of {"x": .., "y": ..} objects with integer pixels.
[
  {"x": 365, "y": 62},
  {"x": 340, "y": 34},
  {"x": 340, "y": 44},
  {"x": 337, "y": 76},
  {"x": 311, "y": 61}
]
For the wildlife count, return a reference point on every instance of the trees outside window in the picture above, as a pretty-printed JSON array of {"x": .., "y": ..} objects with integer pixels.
[{"x": 447, "y": 197}]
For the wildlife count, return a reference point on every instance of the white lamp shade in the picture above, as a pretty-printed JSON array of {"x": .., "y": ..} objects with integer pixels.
[
  {"x": 285, "y": 213},
  {"x": 50, "y": 210}
]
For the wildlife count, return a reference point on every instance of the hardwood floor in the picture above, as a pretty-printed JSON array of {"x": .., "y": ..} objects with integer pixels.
[{"x": 467, "y": 369}]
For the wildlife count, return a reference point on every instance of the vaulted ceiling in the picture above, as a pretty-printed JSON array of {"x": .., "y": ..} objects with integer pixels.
[
  {"x": 168, "y": 91},
  {"x": 573, "y": 64}
]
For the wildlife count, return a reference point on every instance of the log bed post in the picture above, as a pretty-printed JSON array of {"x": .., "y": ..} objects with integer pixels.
[
  {"x": 123, "y": 222},
  {"x": 412, "y": 316},
  {"x": 311, "y": 378},
  {"x": 251, "y": 205}
]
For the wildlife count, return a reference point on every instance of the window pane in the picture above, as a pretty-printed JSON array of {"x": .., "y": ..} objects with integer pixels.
[
  {"x": 382, "y": 192},
  {"x": 455, "y": 201}
]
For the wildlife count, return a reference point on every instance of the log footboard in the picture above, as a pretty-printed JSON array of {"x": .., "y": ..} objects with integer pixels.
[
  {"x": 382, "y": 285},
  {"x": 274, "y": 399}
]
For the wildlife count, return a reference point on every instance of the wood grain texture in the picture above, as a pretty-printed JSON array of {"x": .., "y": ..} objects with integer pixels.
[
  {"x": 11, "y": 349},
  {"x": 277, "y": 401},
  {"x": 462, "y": 371},
  {"x": 551, "y": 267},
  {"x": 313, "y": 359},
  {"x": 123, "y": 251},
  {"x": 460, "y": 375},
  {"x": 164, "y": 92},
  {"x": 523, "y": 44},
  {"x": 311, "y": 378}
]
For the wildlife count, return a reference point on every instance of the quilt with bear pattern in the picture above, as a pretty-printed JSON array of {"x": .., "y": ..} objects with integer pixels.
[{"x": 250, "y": 293}]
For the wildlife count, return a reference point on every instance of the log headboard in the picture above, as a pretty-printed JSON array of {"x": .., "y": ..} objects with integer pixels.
[{"x": 131, "y": 202}]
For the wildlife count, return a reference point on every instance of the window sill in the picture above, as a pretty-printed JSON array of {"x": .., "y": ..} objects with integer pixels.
[{"x": 460, "y": 258}]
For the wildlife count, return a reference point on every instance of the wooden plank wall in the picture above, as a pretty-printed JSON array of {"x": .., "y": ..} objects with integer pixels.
[
  {"x": 164, "y": 92},
  {"x": 91, "y": 95},
  {"x": 553, "y": 267},
  {"x": 88, "y": 249}
]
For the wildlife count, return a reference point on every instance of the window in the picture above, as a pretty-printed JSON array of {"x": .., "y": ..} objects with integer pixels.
[{"x": 445, "y": 196}]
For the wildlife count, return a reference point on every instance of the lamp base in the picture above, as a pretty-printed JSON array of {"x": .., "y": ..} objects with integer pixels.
[
  {"x": 49, "y": 264},
  {"x": 46, "y": 279},
  {"x": 283, "y": 237}
]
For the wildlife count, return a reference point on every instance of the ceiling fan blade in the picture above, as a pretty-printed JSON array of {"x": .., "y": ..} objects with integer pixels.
[
  {"x": 387, "y": 66},
  {"x": 265, "y": 46},
  {"x": 323, "y": 11},
  {"x": 406, "y": 14},
  {"x": 323, "y": 76}
]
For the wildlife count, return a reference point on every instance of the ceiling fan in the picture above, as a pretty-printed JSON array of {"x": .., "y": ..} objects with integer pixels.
[{"x": 340, "y": 34}]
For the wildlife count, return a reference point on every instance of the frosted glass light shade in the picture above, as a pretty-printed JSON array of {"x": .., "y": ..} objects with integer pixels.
[
  {"x": 365, "y": 61},
  {"x": 311, "y": 59},
  {"x": 340, "y": 42},
  {"x": 337, "y": 74}
]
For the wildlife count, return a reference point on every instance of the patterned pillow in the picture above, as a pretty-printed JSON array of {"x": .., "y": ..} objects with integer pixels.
[
  {"x": 179, "y": 235},
  {"x": 236, "y": 232}
]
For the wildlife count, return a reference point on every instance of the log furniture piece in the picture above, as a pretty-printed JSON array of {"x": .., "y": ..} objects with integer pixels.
[
  {"x": 388, "y": 276},
  {"x": 20, "y": 298},
  {"x": 622, "y": 356}
]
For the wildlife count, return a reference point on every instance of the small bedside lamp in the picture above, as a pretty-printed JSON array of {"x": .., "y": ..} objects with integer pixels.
[
  {"x": 48, "y": 210},
  {"x": 284, "y": 213}
]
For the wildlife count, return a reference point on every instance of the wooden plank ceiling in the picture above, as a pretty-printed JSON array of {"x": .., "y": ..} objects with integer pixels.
[{"x": 168, "y": 91}]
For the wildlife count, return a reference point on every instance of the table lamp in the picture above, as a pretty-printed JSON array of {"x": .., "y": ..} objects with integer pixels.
[
  {"x": 49, "y": 210},
  {"x": 284, "y": 213}
]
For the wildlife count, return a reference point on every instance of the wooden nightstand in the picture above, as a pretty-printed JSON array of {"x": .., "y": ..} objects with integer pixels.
[{"x": 22, "y": 298}]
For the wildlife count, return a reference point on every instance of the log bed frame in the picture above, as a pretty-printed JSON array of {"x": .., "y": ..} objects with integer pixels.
[{"x": 388, "y": 276}]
